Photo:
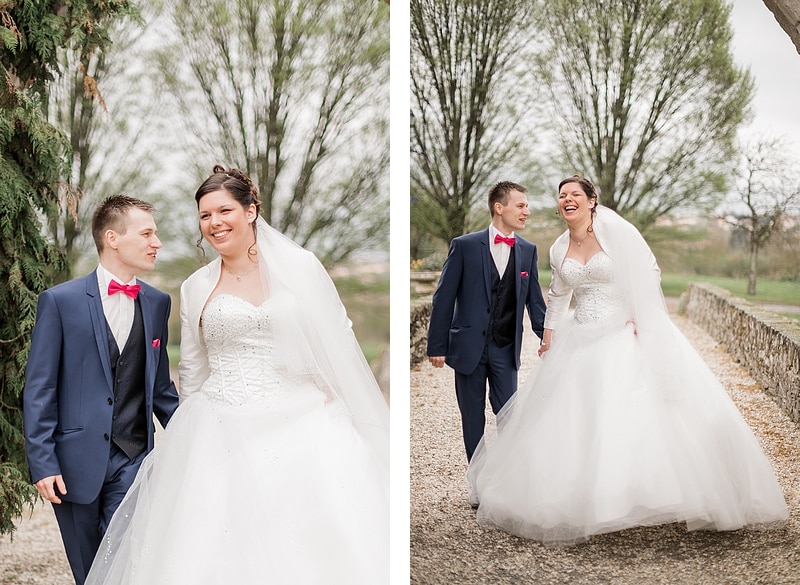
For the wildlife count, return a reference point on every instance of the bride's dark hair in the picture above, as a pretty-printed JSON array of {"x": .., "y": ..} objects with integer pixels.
[{"x": 235, "y": 182}]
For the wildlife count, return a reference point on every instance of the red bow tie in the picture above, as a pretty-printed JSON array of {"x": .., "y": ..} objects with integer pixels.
[
  {"x": 132, "y": 290},
  {"x": 510, "y": 241}
]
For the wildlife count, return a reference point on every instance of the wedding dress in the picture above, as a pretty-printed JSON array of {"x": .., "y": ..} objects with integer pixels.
[
  {"x": 260, "y": 476},
  {"x": 613, "y": 430}
]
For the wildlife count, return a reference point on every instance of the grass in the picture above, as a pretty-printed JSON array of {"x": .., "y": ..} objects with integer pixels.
[
  {"x": 367, "y": 301},
  {"x": 174, "y": 353},
  {"x": 767, "y": 291},
  {"x": 371, "y": 351}
]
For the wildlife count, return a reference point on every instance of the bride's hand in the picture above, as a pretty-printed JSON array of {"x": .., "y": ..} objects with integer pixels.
[{"x": 543, "y": 348}]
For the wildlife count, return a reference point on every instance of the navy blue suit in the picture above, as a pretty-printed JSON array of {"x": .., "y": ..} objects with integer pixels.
[
  {"x": 68, "y": 407},
  {"x": 461, "y": 320}
]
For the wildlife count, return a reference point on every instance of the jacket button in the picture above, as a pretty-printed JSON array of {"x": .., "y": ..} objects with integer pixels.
[
  {"x": 105, "y": 436},
  {"x": 110, "y": 402}
]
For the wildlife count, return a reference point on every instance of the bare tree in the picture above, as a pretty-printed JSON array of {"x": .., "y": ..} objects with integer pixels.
[
  {"x": 468, "y": 101},
  {"x": 108, "y": 126},
  {"x": 767, "y": 188},
  {"x": 294, "y": 92},
  {"x": 646, "y": 98}
]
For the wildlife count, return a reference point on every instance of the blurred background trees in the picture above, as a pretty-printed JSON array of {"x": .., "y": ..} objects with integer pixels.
[
  {"x": 295, "y": 92},
  {"x": 766, "y": 195},
  {"x": 645, "y": 98},
  {"x": 468, "y": 102},
  {"x": 109, "y": 127}
]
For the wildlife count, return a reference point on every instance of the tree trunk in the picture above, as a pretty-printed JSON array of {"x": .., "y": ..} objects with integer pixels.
[
  {"x": 751, "y": 281},
  {"x": 787, "y": 13}
]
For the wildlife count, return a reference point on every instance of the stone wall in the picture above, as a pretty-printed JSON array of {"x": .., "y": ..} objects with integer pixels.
[
  {"x": 765, "y": 343},
  {"x": 420, "y": 319}
]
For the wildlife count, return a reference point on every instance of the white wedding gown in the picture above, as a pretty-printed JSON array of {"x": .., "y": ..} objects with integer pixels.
[
  {"x": 601, "y": 440},
  {"x": 256, "y": 480}
]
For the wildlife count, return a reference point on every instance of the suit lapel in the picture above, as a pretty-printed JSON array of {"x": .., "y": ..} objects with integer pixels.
[
  {"x": 149, "y": 365},
  {"x": 486, "y": 263},
  {"x": 521, "y": 259},
  {"x": 99, "y": 325}
]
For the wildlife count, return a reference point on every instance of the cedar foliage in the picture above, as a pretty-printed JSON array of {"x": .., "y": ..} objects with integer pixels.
[{"x": 34, "y": 155}]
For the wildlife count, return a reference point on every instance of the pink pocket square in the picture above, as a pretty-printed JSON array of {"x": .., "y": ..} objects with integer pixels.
[
  {"x": 523, "y": 274},
  {"x": 156, "y": 343}
]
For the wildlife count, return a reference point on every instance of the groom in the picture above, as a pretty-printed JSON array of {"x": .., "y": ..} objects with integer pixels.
[
  {"x": 488, "y": 279},
  {"x": 97, "y": 371}
]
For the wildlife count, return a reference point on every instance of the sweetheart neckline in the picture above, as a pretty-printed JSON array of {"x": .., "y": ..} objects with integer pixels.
[
  {"x": 579, "y": 263},
  {"x": 231, "y": 295}
]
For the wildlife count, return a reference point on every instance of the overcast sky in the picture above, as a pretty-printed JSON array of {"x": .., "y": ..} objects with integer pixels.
[{"x": 762, "y": 45}]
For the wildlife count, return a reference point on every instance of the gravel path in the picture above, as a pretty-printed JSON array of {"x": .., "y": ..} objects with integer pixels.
[
  {"x": 35, "y": 556},
  {"x": 447, "y": 546}
]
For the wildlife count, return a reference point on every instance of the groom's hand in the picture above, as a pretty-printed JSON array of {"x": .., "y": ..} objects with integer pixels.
[
  {"x": 45, "y": 488},
  {"x": 437, "y": 361}
]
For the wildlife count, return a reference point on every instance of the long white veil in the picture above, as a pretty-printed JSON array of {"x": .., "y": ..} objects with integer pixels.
[
  {"x": 317, "y": 336},
  {"x": 637, "y": 272}
]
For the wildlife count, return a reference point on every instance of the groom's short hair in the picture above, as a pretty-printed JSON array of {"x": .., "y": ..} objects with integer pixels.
[
  {"x": 499, "y": 193},
  {"x": 112, "y": 214}
]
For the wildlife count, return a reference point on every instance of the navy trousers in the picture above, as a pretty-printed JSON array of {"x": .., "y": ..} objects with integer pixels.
[
  {"x": 82, "y": 526},
  {"x": 498, "y": 367}
]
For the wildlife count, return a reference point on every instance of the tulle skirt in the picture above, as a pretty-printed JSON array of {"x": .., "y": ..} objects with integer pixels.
[
  {"x": 281, "y": 492},
  {"x": 610, "y": 433}
]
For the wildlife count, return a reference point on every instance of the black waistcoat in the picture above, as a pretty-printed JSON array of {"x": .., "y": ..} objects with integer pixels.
[
  {"x": 129, "y": 426},
  {"x": 504, "y": 303}
]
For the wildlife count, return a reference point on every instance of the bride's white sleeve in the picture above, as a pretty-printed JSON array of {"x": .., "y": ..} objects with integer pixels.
[
  {"x": 559, "y": 296},
  {"x": 193, "y": 365}
]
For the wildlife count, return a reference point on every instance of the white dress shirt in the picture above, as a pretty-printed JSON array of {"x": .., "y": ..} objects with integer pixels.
[
  {"x": 500, "y": 251},
  {"x": 118, "y": 308}
]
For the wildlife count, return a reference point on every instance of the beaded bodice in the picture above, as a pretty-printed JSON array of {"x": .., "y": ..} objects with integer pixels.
[
  {"x": 597, "y": 297},
  {"x": 242, "y": 356}
]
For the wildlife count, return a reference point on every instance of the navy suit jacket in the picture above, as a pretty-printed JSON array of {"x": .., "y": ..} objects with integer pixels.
[
  {"x": 69, "y": 394},
  {"x": 462, "y": 302}
]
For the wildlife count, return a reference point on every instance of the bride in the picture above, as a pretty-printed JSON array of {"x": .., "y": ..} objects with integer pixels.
[
  {"x": 274, "y": 468},
  {"x": 622, "y": 424}
]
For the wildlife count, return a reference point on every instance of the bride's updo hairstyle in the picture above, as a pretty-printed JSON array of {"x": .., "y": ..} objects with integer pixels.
[
  {"x": 234, "y": 182},
  {"x": 587, "y": 187}
]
